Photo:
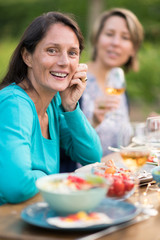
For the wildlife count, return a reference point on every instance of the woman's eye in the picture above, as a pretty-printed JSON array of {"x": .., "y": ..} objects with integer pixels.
[
  {"x": 109, "y": 34},
  {"x": 52, "y": 50},
  {"x": 126, "y": 37},
  {"x": 73, "y": 53}
]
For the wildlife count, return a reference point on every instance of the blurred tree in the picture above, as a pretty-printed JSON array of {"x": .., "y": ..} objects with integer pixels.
[{"x": 95, "y": 7}]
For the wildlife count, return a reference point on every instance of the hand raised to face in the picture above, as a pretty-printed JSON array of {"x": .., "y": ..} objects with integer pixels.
[{"x": 74, "y": 91}]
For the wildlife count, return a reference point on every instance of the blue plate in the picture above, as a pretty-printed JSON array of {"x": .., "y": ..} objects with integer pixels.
[{"x": 36, "y": 214}]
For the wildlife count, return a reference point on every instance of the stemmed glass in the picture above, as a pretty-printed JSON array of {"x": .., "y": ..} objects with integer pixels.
[
  {"x": 153, "y": 141},
  {"x": 115, "y": 85},
  {"x": 134, "y": 156},
  {"x": 115, "y": 82},
  {"x": 153, "y": 136}
]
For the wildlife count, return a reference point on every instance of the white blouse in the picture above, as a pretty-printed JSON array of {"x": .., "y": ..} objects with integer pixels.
[{"x": 113, "y": 125}]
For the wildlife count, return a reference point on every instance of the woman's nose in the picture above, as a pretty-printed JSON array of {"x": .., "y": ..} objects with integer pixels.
[
  {"x": 116, "y": 40},
  {"x": 63, "y": 59}
]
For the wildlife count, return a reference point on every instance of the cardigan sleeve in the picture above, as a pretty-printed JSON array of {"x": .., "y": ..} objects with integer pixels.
[
  {"x": 79, "y": 138},
  {"x": 17, "y": 179}
]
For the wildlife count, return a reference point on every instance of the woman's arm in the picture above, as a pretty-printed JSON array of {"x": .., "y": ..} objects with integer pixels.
[
  {"x": 78, "y": 138},
  {"x": 109, "y": 129},
  {"x": 17, "y": 179}
]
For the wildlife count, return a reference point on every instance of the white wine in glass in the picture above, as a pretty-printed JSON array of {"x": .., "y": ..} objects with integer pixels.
[
  {"x": 135, "y": 157},
  {"x": 115, "y": 82},
  {"x": 115, "y": 85}
]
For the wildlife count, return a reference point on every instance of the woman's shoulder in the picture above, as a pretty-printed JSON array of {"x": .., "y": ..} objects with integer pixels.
[
  {"x": 14, "y": 94},
  {"x": 13, "y": 90}
]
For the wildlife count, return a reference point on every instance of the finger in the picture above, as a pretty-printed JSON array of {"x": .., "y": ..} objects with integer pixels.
[
  {"x": 82, "y": 67},
  {"x": 77, "y": 81},
  {"x": 81, "y": 75}
]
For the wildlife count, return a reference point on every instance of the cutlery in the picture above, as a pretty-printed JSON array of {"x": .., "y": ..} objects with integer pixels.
[
  {"x": 152, "y": 163},
  {"x": 110, "y": 230},
  {"x": 132, "y": 145},
  {"x": 113, "y": 149}
]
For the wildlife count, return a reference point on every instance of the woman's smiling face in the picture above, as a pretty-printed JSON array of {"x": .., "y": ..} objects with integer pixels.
[
  {"x": 55, "y": 59},
  {"x": 114, "y": 45}
]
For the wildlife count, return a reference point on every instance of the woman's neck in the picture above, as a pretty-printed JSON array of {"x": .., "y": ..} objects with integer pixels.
[{"x": 41, "y": 99}]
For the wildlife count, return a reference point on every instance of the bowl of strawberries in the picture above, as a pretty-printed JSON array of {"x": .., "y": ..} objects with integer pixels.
[{"x": 123, "y": 185}]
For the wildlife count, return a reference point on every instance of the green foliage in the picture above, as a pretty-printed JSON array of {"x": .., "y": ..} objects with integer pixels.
[
  {"x": 7, "y": 47},
  {"x": 16, "y": 15},
  {"x": 145, "y": 84}
]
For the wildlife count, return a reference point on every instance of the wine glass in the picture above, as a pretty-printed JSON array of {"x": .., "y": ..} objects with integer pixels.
[
  {"x": 115, "y": 82},
  {"x": 153, "y": 141},
  {"x": 134, "y": 156},
  {"x": 115, "y": 85},
  {"x": 153, "y": 136}
]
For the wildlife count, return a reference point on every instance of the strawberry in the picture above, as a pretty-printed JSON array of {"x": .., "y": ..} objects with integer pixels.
[
  {"x": 129, "y": 184},
  {"x": 119, "y": 187},
  {"x": 111, "y": 192}
]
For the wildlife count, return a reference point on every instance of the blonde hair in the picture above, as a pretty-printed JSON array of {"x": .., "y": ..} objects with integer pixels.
[{"x": 134, "y": 26}]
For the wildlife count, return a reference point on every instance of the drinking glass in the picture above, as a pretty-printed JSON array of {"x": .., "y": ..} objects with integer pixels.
[
  {"x": 153, "y": 136},
  {"x": 134, "y": 156},
  {"x": 153, "y": 141},
  {"x": 115, "y": 85}
]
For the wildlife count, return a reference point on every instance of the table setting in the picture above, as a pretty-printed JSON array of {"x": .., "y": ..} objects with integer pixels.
[
  {"x": 31, "y": 219},
  {"x": 71, "y": 211},
  {"x": 110, "y": 197},
  {"x": 108, "y": 215},
  {"x": 75, "y": 202}
]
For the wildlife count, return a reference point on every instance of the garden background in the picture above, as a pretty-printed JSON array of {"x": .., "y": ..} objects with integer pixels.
[{"x": 143, "y": 87}]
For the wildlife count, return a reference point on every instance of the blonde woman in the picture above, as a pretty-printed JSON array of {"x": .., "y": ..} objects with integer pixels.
[{"x": 116, "y": 38}]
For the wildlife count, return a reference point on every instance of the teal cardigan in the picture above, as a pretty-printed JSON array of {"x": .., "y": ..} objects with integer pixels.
[{"x": 25, "y": 155}]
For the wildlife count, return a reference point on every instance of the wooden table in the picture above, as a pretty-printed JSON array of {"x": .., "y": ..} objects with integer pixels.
[{"x": 14, "y": 228}]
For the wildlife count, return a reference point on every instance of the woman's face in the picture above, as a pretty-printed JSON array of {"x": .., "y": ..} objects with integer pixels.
[
  {"x": 114, "y": 45},
  {"x": 55, "y": 59}
]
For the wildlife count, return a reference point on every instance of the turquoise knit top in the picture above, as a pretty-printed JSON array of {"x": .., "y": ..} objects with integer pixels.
[{"x": 25, "y": 155}]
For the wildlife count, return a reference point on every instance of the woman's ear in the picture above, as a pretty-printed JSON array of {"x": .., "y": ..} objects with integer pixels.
[{"x": 27, "y": 57}]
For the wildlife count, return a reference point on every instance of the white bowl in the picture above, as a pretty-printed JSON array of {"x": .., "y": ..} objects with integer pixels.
[{"x": 72, "y": 201}]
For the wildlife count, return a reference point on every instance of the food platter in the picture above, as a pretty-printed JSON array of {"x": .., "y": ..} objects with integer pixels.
[{"x": 38, "y": 214}]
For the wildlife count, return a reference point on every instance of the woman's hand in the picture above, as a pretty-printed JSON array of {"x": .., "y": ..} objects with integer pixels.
[
  {"x": 104, "y": 105},
  {"x": 73, "y": 92}
]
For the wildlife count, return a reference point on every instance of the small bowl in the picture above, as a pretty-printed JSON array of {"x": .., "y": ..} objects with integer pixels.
[
  {"x": 68, "y": 202},
  {"x": 156, "y": 174},
  {"x": 122, "y": 185}
]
